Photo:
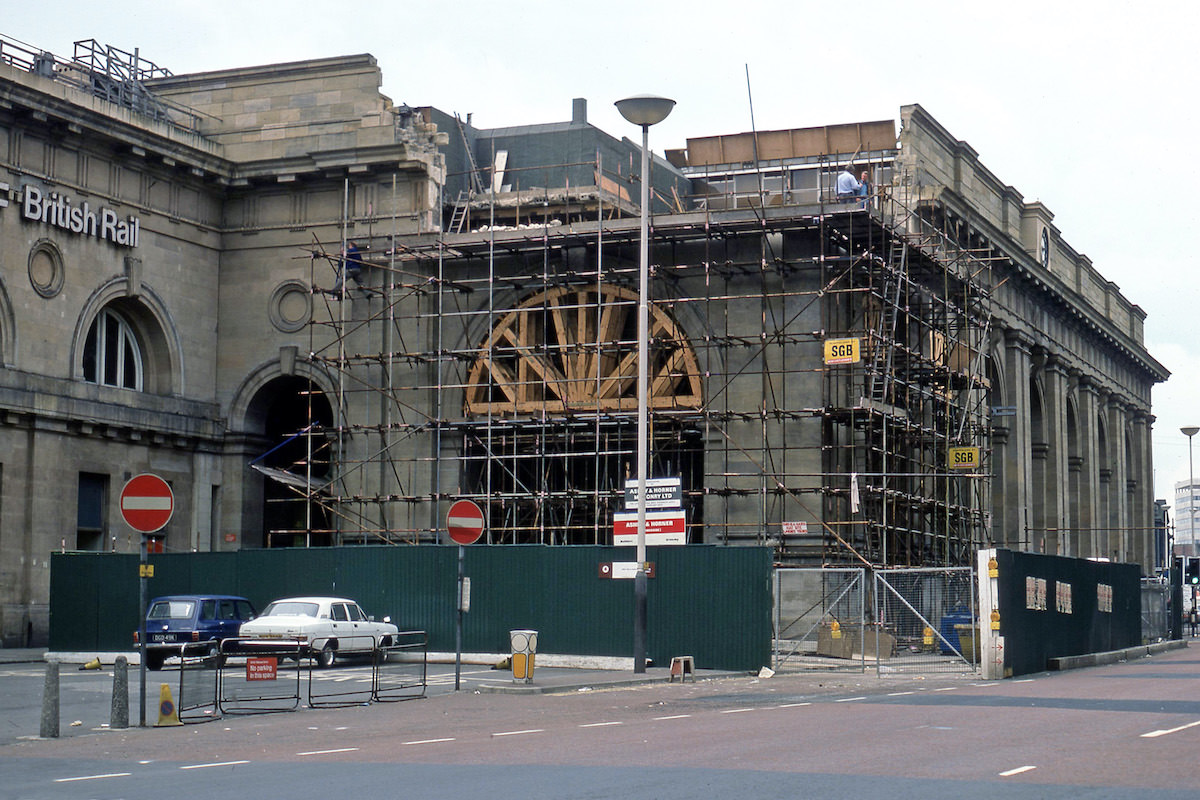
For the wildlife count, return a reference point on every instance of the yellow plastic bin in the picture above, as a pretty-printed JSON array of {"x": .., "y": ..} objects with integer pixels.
[
  {"x": 523, "y": 647},
  {"x": 968, "y": 640}
]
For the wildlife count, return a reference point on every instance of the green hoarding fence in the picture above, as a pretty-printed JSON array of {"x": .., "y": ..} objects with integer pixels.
[{"x": 710, "y": 602}]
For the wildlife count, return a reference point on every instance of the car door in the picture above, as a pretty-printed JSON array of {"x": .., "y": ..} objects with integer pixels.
[
  {"x": 229, "y": 621},
  {"x": 340, "y": 622},
  {"x": 208, "y": 623},
  {"x": 364, "y": 626}
]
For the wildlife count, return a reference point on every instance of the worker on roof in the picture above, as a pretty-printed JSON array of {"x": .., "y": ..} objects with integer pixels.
[{"x": 850, "y": 188}]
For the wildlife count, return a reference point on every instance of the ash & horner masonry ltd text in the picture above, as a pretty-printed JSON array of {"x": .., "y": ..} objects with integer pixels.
[{"x": 104, "y": 224}]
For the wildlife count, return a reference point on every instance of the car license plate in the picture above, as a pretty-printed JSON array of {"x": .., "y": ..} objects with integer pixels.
[{"x": 162, "y": 637}]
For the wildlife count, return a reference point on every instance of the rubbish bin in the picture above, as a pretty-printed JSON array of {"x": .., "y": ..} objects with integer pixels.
[
  {"x": 968, "y": 639},
  {"x": 523, "y": 646},
  {"x": 948, "y": 628}
]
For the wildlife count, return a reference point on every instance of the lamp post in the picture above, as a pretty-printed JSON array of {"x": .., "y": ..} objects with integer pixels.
[
  {"x": 1190, "y": 432},
  {"x": 644, "y": 110},
  {"x": 1176, "y": 621}
]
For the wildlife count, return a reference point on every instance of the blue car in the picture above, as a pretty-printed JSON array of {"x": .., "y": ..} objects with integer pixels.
[{"x": 176, "y": 620}]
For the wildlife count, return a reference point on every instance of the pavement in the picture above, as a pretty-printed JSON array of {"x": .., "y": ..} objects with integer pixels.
[
  {"x": 551, "y": 674},
  {"x": 22, "y": 655},
  {"x": 565, "y": 674}
]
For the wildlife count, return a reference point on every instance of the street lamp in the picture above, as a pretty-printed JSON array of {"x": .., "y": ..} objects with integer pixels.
[
  {"x": 644, "y": 110},
  {"x": 1176, "y": 620},
  {"x": 1190, "y": 432}
]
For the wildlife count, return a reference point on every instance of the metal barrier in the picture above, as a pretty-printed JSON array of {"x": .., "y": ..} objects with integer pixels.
[
  {"x": 910, "y": 620},
  {"x": 402, "y": 669},
  {"x": 199, "y": 677},
  {"x": 816, "y": 613},
  {"x": 927, "y": 619},
  {"x": 351, "y": 687},
  {"x": 250, "y": 673},
  {"x": 1155, "y": 596},
  {"x": 254, "y": 676}
]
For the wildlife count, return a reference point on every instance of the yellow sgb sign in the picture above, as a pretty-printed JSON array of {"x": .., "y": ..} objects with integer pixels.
[
  {"x": 964, "y": 457},
  {"x": 841, "y": 351}
]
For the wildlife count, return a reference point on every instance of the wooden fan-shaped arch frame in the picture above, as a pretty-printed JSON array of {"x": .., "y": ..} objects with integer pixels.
[{"x": 573, "y": 349}]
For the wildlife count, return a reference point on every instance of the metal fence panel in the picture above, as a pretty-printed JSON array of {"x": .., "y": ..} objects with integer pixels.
[
  {"x": 402, "y": 669},
  {"x": 1155, "y": 595},
  {"x": 260, "y": 677},
  {"x": 819, "y": 617},
  {"x": 926, "y": 620},
  {"x": 199, "y": 676},
  {"x": 352, "y": 685}
]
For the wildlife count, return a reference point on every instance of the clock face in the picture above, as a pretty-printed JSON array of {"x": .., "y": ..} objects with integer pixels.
[{"x": 1044, "y": 249}]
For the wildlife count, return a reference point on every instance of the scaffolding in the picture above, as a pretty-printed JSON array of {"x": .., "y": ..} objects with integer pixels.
[
  {"x": 106, "y": 72},
  {"x": 499, "y": 364}
]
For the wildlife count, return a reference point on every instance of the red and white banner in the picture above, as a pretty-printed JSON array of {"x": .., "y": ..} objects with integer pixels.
[{"x": 662, "y": 527}]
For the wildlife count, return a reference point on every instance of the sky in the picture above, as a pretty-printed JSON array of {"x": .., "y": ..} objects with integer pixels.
[{"x": 1089, "y": 108}]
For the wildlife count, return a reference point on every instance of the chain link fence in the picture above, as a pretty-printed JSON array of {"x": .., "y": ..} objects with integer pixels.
[{"x": 896, "y": 620}]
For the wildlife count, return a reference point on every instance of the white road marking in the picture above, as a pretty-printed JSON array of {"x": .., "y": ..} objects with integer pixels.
[
  {"x": 93, "y": 777},
  {"x": 430, "y": 741},
  {"x": 1017, "y": 771},
  {"x": 899, "y": 694},
  {"x": 600, "y": 724},
  {"x": 946, "y": 689},
  {"x": 849, "y": 699},
  {"x": 794, "y": 705},
  {"x": 1155, "y": 734},
  {"x": 217, "y": 764},
  {"x": 673, "y": 716},
  {"x": 736, "y": 710},
  {"x": 327, "y": 752},
  {"x": 518, "y": 733}
]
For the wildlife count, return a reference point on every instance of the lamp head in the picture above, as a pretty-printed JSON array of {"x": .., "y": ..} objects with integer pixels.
[
  {"x": 1189, "y": 431},
  {"x": 645, "y": 109}
]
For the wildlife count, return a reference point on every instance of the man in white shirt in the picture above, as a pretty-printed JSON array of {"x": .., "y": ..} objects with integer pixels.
[{"x": 850, "y": 188}]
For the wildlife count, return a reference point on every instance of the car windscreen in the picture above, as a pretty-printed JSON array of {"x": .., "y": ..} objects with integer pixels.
[
  {"x": 172, "y": 609},
  {"x": 291, "y": 608}
]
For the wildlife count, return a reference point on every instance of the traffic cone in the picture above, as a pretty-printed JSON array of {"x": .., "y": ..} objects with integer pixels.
[
  {"x": 168, "y": 715},
  {"x": 93, "y": 664}
]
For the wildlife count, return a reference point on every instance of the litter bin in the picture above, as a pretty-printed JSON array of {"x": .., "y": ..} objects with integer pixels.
[
  {"x": 523, "y": 647},
  {"x": 968, "y": 639},
  {"x": 948, "y": 628}
]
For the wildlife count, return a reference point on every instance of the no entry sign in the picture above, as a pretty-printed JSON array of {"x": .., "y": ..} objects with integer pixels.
[
  {"x": 464, "y": 523},
  {"x": 147, "y": 503}
]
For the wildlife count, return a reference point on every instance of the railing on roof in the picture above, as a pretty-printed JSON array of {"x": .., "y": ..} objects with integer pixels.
[{"x": 106, "y": 72}]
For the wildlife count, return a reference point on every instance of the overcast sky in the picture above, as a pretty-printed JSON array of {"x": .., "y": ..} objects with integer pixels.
[{"x": 1089, "y": 108}]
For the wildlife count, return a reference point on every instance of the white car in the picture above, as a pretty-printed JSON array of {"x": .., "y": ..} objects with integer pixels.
[{"x": 330, "y": 626}]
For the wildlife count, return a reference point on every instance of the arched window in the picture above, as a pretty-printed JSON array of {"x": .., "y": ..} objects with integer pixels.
[{"x": 111, "y": 353}]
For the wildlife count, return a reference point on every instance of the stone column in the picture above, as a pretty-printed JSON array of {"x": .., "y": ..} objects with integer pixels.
[
  {"x": 1118, "y": 510},
  {"x": 1087, "y": 487},
  {"x": 1018, "y": 460},
  {"x": 1141, "y": 492},
  {"x": 1054, "y": 422}
]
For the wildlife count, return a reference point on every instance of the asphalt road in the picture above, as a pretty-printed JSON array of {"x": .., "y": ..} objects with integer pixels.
[{"x": 1106, "y": 732}]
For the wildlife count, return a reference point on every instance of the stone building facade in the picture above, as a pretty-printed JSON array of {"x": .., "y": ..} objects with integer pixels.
[
  {"x": 178, "y": 346},
  {"x": 1069, "y": 373},
  {"x": 161, "y": 237}
]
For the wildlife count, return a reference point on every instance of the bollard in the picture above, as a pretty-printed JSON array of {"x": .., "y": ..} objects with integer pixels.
[
  {"x": 120, "y": 695},
  {"x": 50, "y": 702}
]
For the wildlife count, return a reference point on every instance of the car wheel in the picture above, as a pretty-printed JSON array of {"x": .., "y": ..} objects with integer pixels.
[
  {"x": 214, "y": 656},
  {"x": 154, "y": 661},
  {"x": 327, "y": 655}
]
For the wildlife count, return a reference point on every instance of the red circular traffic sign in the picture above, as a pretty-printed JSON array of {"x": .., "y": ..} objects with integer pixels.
[
  {"x": 464, "y": 523},
  {"x": 147, "y": 503}
]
